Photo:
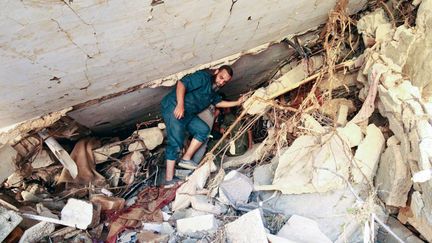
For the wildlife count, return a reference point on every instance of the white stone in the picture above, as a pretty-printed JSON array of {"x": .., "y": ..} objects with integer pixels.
[
  {"x": 101, "y": 154},
  {"x": 370, "y": 22},
  {"x": 276, "y": 239},
  {"x": 311, "y": 124},
  {"x": 235, "y": 188},
  {"x": 152, "y": 137},
  {"x": 263, "y": 174},
  {"x": 302, "y": 230},
  {"x": 42, "y": 160},
  {"x": 9, "y": 220},
  {"x": 393, "y": 180},
  {"x": 368, "y": 154},
  {"x": 167, "y": 228},
  {"x": 401, "y": 231},
  {"x": 202, "y": 203},
  {"x": 351, "y": 133},
  {"x": 136, "y": 146},
  {"x": 37, "y": 232},
  {"x": 8, "y": 156},
  {"x": 341, "y": 117},
  {"x": 155, "y": 227},
  {"x": 78, "y": 213},
  {"x": 248, "y": 228},
  {"x": 194, "y": 224}
]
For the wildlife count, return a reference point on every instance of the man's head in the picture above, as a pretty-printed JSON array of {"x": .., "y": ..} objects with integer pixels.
[{"x": 223, "y": 75}]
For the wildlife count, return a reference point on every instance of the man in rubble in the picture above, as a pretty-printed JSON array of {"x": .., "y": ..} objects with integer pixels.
[{"x": 193, "y": 93}]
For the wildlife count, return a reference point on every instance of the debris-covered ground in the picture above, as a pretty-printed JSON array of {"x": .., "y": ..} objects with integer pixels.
[{"x": 342, "y": 137}]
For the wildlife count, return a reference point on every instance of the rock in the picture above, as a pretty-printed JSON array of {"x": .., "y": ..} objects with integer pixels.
[
  {"x": 101, "y": 154},
  {"x": 8, "y": 156},
  {"x": 150, "y": 237},
  {"x": 136, "y": 146},
  {"x": 42, "y": 159},
  {"x": 312, "y": 164},
  {"x": 37, "y": 232},
  {"x": 235, "y": 188},
  {"x": 153, "y": 227},
  {"x": 416, "y": 216},
  {"x": 152, "y": 137},
  {"x": 78, "y": 213},
  {"x": 301, "y": 229},
  {"x": 254, "y": 104},
  {"x": 369, "y": 23},
  {"x": 400, "y": 230},
  {"x": 311, "y": 124},
  {"x": 368, "y": 154},
  {"x": 248, "y": 228},
  {"x": 194, "y": 224},
  {"x": 263, "y": 174},
  {"x": 167, "y": 229},
  {"x": 202, "y": 203},
  {"x": 341, "y": 116},
  {"x": 393, "y": 178},
  {"x": 351, "y": 133},
  {"x": 9, "y": 220},
  {"x": 276, "y": 239}
]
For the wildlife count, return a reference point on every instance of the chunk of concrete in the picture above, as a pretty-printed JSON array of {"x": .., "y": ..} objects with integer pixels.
[
  {"x": 341, "y": 116},
  {"x": 352, "y": 133},
  {"x": 393, "y": 177},
  {"x": 37, "y": 232},
  {"x": 42, "y": 159},
  {"x": 8, "y": 156},
  {"x": 152, "y": 137},
  {"x": 235, "y": 188},
  {"x": 263, "y": 174},
  {"x": 77, "y": 212},
  {"x": 331, "y": 107},
  {"x": 9, "y": 220},
  {"x": 368, "y": 154},
  {"x": 416, "y": 216},
  {"x": 302, "y": 230},
  {"x": 311, "y": 124},
  {"x": 202, "y": 203},
  {"x": 199, "y": 223},
  {"x": 400, "y": 230},
  {"x": 248, "y": 228},
  {"x": 101, "y": 154}
]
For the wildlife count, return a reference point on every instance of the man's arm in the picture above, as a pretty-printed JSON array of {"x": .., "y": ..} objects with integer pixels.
[
  {"x": 227, "y": 104},
  {"x": 180, "y": 93}
]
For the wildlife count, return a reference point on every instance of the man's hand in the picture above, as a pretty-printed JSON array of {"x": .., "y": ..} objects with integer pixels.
[
  {"x": 242, "y": 99},
  {"x": 179, "y": 111}
]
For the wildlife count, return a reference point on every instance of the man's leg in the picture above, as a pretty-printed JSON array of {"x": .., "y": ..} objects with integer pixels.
[
  {"x": 200, "y": 131},
  {"x": 175, "y": 137},
  {"x": 208, "y": 117}
]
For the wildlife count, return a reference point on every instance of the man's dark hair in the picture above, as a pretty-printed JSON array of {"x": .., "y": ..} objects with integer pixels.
[{"x": 227, "y": 68}]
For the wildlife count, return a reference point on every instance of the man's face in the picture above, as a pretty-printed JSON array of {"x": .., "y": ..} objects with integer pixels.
[{"x": 222, "y": 77}]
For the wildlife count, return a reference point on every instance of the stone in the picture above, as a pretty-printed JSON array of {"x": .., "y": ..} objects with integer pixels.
[
  {"x": 152, "y": 137},
  {"x": 393, "y": 178},
  {"x": 369, "y": 23},
  {"x": 199, "y": 223},
  {"x": 14, "y": 180},
  {"x": 78, "y": 213},
  {"x": 255, "y": 104},
  {"x": 312, "y": 164},
  {"x": 37, "y": 232},
  {"x": 248, "y": 228},
  {"x": 150, "y": 237},
  {"x": 101, "y": 154},
  {"x": 136, "y": 146},
  {"x": 276, "y": 239},
  {"x": 9, "y": 220},
  {"x": 400, "y": 230},
  {"x": 235, "y": 188},
  {"x": 331, "y": 107},
  {"x": 202, "y": 203},
  {"x": 368, "y": 154},
  {"x": 311, "y": 124},
  {"x": 416, "y": 216},
  {"x": 352, "y": 133},
  {"x": 167, "y": 229},
  {"x": 263, "y": 174},
  {"x": 42, "y": 159},
  {"x": 341, "y": 116},
  {"x": 8, "y": 156},
  {"x": 302, "y": 230}
]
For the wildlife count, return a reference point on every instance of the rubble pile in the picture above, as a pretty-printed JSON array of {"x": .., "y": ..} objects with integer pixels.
[{"x": 346, "y": 157}]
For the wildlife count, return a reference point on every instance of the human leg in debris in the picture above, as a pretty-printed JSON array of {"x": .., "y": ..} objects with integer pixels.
[
  {"x": 200, "y": 131},
  {"x": 208, "y": 117}
]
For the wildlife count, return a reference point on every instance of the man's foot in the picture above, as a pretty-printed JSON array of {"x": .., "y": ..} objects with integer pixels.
[
  {"x": 174, "y": 181},
  {"x": 188, "y": 164}
]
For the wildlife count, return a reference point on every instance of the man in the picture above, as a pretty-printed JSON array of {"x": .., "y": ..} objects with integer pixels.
[{"x": 193, "y": 93}]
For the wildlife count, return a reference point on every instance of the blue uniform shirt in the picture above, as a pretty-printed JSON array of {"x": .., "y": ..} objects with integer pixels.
[{"x": 199, "y": 93}]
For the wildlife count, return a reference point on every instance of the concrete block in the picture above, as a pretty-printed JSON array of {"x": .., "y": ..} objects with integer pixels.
[
  {"x": 202, "y": 203},
  {"x": 302, "y": 230},
  {"x": 341, "y": 116},
  {"x": 101, "y": 154},
  {"x": 78, "y": 213},
  {"x": 235, "y": 188},
  {"x": 393, "y": 178},
  {"x": 152, "y": 137},
  {"x": 248, "y": 228},
  {"x": 9, "y": 220},
  {"x": 351, "y": 133},
  {"x": 195, "y": 224},
  {"x": 368, "y": 154},
  {"x": 8, "y": 157}
]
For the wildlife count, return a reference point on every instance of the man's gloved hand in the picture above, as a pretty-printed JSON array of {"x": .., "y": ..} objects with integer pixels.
[{"x": 179, "y": 111}]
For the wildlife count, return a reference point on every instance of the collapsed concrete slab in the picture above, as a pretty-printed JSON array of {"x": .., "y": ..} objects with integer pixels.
[{"x": 248, "y": 228}]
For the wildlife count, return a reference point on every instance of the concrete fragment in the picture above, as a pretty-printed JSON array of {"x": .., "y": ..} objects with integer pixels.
[
  {"x": 101, "y": 154},
  {"x": 37, "y": 232},
  {"x": 167, "y": 229},
  {"x": 202, "y": 203},
  {"x": 152, "y": 137},
  {"x": 263, "y": 174},
  {"x": 393, "y": 177},
  {"x": 235, "y": 188},
  {"x": 302, "y": 230},
  {"x": 199, "y": 223},
  {"x": 248, "y": 228},
  {"x": 351, "y": 133},
  {"x": 42, "y": 159},
  {"x": 341, "y": 116},
  {"x": 311, "y": 124},
  {"x": 368, "y": 154},
  {"x": 9, "y": 220},
  {"x": 276, "y": 239},
  {"x": 154, "y": 227},
  {"x": 400, "y": 230},
  {"x": 8, "y": 157},
  {"x": 14, "y": 180},
  {"x": 416, "y": 216},
  {"x": 77, "y": 212},
  {"x": 150, "y": 237},
  {"x": 331, "y": 107},
  {"x": 136, "y": 146},
  {"x": 312, "y": 164}
]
